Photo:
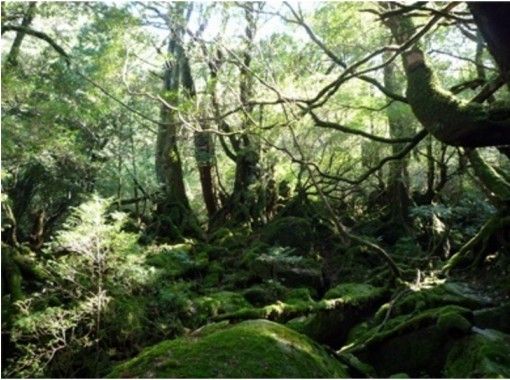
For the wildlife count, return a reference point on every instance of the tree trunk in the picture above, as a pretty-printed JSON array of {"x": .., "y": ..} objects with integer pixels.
[
  {"x": 204, "y": 155},
  {"x": 492, "y": 21},
  {"x": 175, "y": 216},
  {"x": 204, "y": 147},
  {"x": 12, "y": 57},
  {"x": 248, "y": 157},
  {"x": 398, "y": 179},
  {"x": 168, "y": 160}
]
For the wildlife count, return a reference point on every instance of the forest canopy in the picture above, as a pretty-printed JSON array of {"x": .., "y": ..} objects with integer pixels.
[{"x": 255, "y": 189}]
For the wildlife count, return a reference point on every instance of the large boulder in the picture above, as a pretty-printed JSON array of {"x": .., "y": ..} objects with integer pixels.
[
  {"x": 252, "y": 349},
  {"x": 416, "y": 344},
  {"x": 497, "y": 318},
  {"x": 331, "y": 325},
  {"x": 484, "y": 354}
]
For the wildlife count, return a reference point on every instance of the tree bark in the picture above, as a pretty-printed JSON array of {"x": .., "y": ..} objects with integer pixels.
[
  {"x": 449, "y": 119},
  {"x": 492, "y": 21},
  {"x": 12, "y": 57},
  {"x": 204, "y": 147},
  {"x": 398, "y": 178},
  {"x": 248, "y": 156},
  {"x": 168, "y": 160}
]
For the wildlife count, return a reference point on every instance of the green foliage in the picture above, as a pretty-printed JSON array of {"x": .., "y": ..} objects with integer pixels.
[
  {"x": 96, "y": 263},
  {"x": 290, "y": 232},
  {"x": 172, "y": 260},
  {"x": 269, "y": 291},
  {"x": 96, "y": 281},
  {"x": 354, "y": 293}
]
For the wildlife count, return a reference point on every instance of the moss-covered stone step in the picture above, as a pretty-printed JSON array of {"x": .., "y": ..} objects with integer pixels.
[{"x": 251, "y": 349}]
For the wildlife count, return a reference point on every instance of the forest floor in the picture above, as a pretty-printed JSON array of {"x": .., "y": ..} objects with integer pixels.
[
  {"x": 287, "y": 299},
  {"x": 335, "y": 310}
]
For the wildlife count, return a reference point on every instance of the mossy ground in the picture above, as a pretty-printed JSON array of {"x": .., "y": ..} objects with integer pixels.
[
  {"x": 204, "y": 295},
  {"x": 252, "y": 349},
  {"x": 485, "y": 354}
]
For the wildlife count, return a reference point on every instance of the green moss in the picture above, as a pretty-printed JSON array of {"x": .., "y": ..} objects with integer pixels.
[
  {"x": 329, "y": 319},
  {"x": 298, "y": 295},
  {"x": 294, "y": 307},
  {"x": 214, "y": 275},
  {"x": 451, "y": 120},
  {"x": 230, "y": 238},
  {"x": 210, "y": 328},
  {"x": 482, "y": 355},
  {"x": 330, "y": 325},
  {"x": 496, "y": 183},
  {"x": 299, "y": 323},
  {"x": 363, "y": 369},
  {"x": 436, "y": 108},
  {"x": 354, "y": 293},
  {"x": 453, "y": 321},
  {"x": 448, "y": 293},
  {"x": 494, "y": 318},
  {"x": 173, "y": 260},
  {"x": 251, "y": 349},
  {"x": 400, "y": 375},
  {"x": 220, "y": 302},
  {"x": 403, "y": 324},
  {"x": 266, "y": 293},
  {"x": 289, "y": 231}
]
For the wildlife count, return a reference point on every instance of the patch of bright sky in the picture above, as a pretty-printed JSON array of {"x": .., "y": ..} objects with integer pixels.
[{"x": 267, "y": 24}]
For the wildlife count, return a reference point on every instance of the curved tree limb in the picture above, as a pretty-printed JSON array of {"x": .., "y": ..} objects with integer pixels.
[
  {"x": 352, "y": 131},
  {"x": 449, "y": 119},
  {"x": 41, "y": 36}
]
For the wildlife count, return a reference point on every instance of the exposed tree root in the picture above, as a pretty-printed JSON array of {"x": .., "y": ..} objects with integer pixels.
[{"x": 494, "y": 224}]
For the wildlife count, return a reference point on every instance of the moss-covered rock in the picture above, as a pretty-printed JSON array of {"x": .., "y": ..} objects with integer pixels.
[
  {"x": 399, "y": 375},
  {"x": 230, "y": 238},
  {"x": 448, "y": 322},
  {"x": 252, "y": 349},
  {"x": 265, "y": 293},
  {"x": 174, "y": 260},
  {"x": 218, "y": 303},
  {"x": 289, "y": 231},
  {"x": 440, "y": 294},
  {"x": 331, "y": 326},
  {"x": 420, "y": 341},
  {"x": 284, "y": 264},
  {"x": 298, "y": 295},
  {"x": 485, "y": 354},
  {"x": 354, "y": 293},
  {"x": 497, "y": 318}
]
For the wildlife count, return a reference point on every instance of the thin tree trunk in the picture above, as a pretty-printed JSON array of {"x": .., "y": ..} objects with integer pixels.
[
  {"x": 398, "y": 178},
  {"x": 12, "y": 57}
]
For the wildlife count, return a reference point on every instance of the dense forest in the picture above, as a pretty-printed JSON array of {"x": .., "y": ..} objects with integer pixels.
[{"x": 252, "y": 189}]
